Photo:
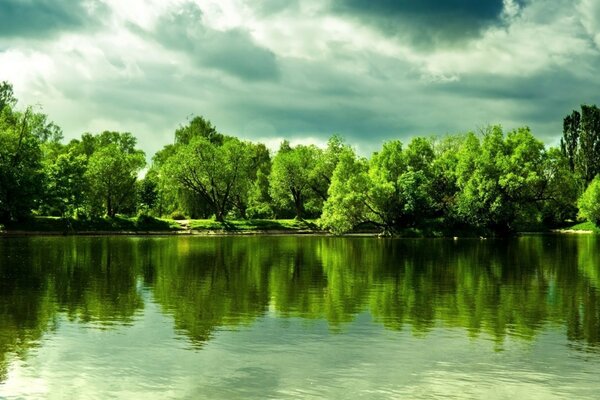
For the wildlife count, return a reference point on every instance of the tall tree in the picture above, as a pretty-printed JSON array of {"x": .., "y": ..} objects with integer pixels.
[
  {"x": 581, "y": 142},
  {"x": 290, "y": 179},
  {"x": 501, "y": 179},
  {"x": 216, "y": 173},
  {"x": 21, "y": 135},
  {"x": 112, "y": 172}
]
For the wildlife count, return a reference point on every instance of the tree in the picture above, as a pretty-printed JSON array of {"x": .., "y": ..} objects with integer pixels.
[
  {"x": 216, "y": 173},
  {"x": 65, "y": 182},
  {"x": 290, "y": 179},
  {"x": 326, "y": 161},
  {"x": 20, "y": 158},
  {"x": 581, "y": 142},
  {"x": 501, "y": 179},
  {"x": 148, "y": 191},
  {"x": 112, "y": 172},
  {"x": 198, "y": 127},
  {"x": 348, "y": 204},
  {"x": 589, "y": 202},
  {"x": 392, "y": 190}
]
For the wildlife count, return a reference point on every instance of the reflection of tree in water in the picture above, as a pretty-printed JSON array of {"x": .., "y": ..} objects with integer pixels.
[
  {"x": 500, "y": 288},
  {"x": 210, "y": 283},
  {"x": 88, "y": 279},
  {"x": 26, "y": 311},
  {"x": 95, "y": 279}
]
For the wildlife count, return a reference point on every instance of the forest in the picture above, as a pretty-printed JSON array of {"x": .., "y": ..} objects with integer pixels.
[{"x": 488, "y": 182}]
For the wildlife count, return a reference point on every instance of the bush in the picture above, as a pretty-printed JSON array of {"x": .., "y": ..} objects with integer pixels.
[
  {"x": 177, "y": 215},
  {"x": 589, "y": 202}
]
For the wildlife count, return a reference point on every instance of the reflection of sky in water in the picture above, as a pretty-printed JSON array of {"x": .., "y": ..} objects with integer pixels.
[
  {"x": 289, "y": 358},
  {"x": 317, "y": 328}
]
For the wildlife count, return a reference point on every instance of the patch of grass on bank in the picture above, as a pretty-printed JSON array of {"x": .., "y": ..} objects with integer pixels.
[
  {"x": 253, "y": 225},
  {"x": 585, "y": 226},
  {"x": 106, "y": 224}
]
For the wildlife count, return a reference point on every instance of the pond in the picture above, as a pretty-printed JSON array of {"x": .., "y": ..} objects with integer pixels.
[{"x": 299, "y": 317}]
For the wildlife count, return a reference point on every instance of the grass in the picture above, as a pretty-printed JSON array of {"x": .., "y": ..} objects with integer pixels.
[
  {"x": 253, "y": 225},
  {"x": 106, "y": 224},
  {"x": 151, "y": 224},
  {"x": 585, "y": 226}
]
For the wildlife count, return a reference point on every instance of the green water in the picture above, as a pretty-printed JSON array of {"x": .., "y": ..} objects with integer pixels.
[{"x": 299, "y": 317}]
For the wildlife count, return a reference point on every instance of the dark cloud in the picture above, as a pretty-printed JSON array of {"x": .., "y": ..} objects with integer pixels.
[
  {"x": 40, "y": 18},
  {"x": 232, "y": 51},
  {"x": 426, "y": 22}
]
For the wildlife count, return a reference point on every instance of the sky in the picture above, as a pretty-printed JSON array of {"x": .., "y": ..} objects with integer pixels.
[{"x": 302, "y": 70}]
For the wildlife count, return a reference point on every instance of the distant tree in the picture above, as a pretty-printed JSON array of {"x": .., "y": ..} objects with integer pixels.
[
  {"x": 581, "y": 142},
  {"x": 561, "y": 191},
  {"x": 112, "y": 172},
  {"x": 21, "y": 180},
  {"x": 290, "y": 179},
  {"x": 326, "y": 161},
  {"x": 216, "y": 173},
  {"x": 148, "y": 191},
  {"x": 21, "y": 136},
  {"x": 198, "y": 127},
  {"x": 501, "y": 179},
  {"x": 65, "y": 182},
  {"x": 348, "y": 203}
]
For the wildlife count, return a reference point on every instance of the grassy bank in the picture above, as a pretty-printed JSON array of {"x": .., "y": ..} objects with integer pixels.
[
  {"x": 141, "y": 225},
  {"x": 582, "y": 227},
  {"x": 150, "y": 225}
]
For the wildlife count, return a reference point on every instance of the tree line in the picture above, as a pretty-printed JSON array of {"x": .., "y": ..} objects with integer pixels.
[{"x": 490, "y": 181}]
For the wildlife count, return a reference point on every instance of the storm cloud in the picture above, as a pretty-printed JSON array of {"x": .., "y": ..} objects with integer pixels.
[
  {"x": 429, "y": 22},
  {"x": 369, "y": 71},
  {"x": 43, "y": 18}
]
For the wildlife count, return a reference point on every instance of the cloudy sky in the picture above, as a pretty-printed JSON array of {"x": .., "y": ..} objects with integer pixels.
[{"x": 302, "y": 70}]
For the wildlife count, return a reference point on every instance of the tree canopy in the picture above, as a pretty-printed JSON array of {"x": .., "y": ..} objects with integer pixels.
[{"x": 491, "y": 181}]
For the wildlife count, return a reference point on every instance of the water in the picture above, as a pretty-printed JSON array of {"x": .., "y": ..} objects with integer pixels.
[{"x": 299, "y": 317}]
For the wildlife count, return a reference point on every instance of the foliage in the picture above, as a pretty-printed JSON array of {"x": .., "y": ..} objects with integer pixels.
[
  {"x": 21, "y": 179},
  {"x": 501, "y": 179},
  {"x": 112, "y": 173},
  {"x": 290, "y": 180},
  {"x": 581, "y": 142},
  {"x": 490, "y": 182},
  {"x": 216, "y": 173},
  {"x": 589, "y": 202}
]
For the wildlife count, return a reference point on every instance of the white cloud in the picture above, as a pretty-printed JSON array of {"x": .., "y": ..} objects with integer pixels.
[{"x": 333, "y": 74}]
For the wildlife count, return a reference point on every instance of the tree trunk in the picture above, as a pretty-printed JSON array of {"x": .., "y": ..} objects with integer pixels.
[
  {"x": 109, "y": 207},
  {"x": 298, "y": 206}
]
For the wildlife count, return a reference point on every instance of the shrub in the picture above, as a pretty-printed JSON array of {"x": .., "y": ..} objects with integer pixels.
[
  {"x": 589, "y": 202},
  {"x": 177, "y": 215}
]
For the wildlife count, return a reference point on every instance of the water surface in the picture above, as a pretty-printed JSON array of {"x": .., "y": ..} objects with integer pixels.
[{"x": 299, "y": 317}]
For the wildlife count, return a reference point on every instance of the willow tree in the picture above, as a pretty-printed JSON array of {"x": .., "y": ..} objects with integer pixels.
[
  {"x": 217, "y": 173},
  {"x": 112, "y": 172}
]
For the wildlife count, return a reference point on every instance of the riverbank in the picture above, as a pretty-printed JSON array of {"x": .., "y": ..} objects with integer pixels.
[
  {"x": 150, "y": 226},
  {"x": 157, "y": 226}
]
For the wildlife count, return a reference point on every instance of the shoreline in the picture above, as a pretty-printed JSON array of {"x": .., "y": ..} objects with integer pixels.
[{"x": 267, "y": 232}]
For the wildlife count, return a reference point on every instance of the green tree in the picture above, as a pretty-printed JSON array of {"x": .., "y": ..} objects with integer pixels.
[
  {"x": 112, "y": 172},
  {"x": 148, "y": 191},
  {"x": 581, "y": 142},
  {"x": 216, "y": 173},
  {"x": 348, "y": 203},
  {"x": 290, "y": 179},
  {"x": 501, "y": 179},
  {"x": 589, "y": 202},
  {"x": 21, "y": 180},
  {"x": 198, "y": 127},
  {"x": 65, "y": 182}
]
